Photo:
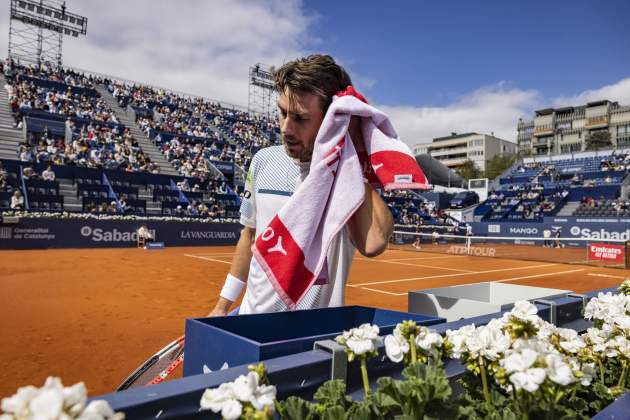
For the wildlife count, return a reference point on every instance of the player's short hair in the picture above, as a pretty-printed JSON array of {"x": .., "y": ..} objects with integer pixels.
[{"x": 317, "y": 74}]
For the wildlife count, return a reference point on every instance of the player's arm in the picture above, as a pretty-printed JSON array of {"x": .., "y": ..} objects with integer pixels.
[
  {"x": 372, "y": 224},
  {"x": 239, "y": 269}
]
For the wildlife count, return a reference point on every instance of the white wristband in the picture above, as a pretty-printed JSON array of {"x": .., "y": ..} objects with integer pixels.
[{"x": 232, "y": 288}]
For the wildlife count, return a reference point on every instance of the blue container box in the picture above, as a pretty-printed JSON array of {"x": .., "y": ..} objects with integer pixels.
[{"x": 243, "y": 339}]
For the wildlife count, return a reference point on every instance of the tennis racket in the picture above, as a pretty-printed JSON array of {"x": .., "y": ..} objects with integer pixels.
[{"x": 157, "y": 367}]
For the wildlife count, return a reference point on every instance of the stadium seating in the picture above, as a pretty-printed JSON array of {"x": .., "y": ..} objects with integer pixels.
[
  {"x": 70, "y": 125},
  {"x": 533, "y": 190}
]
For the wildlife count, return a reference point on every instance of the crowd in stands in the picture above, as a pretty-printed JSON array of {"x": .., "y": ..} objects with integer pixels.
[
  {"x": 94, "y": 146},
  {"x": 232, "y": 135},
  {"x": 617, "y": 161},
  {"x": 49, "y": 72},
  {"x": 97, "y": 144},
  {"x": 590, "y": 206},
  {"x": 25, "y": 95}
]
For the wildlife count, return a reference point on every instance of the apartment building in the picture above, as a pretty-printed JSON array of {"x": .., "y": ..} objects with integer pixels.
[{"x": 456, "y": 149}]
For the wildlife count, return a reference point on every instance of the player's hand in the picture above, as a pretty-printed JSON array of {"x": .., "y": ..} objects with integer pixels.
[
  {"x": 221, "y": 308},
  {"x": 355, "y": 133}
]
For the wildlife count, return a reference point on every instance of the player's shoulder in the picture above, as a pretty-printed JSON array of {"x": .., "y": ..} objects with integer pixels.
[{"x": 271, "y": 154}]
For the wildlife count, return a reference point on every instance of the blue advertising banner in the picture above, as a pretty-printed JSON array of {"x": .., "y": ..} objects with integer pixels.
[
  {"x": 28, "y": 233},
  {"x": 613, "y": 228}
]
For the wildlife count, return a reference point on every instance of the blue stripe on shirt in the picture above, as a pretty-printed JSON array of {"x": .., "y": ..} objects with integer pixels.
[{"x": 274, "y": 192}]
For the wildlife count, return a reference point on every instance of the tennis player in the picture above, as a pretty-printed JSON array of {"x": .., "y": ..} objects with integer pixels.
[{"x": 306, "y": 87}]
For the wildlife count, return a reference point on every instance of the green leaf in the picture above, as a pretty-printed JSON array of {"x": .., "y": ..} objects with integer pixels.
[
  {"x": 334, "y": 413},
  {"x": 295, "y": 408},
  {"x": 332, "y": 393}
]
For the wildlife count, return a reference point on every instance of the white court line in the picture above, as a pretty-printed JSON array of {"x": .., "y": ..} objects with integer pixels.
[
  {"x": 420, "y": 265},
  {"x": 429, "y": 258},
  {"x": 416, "y": 258},
  {"x": 466, "y": 284},
  {"x": 452, "y": 275},
  {"x": 606, "y": 275},
  {"x": 207, "y": 259},
  {"x": 379, "y": 291},
  {"x": 216, "y": 255}
]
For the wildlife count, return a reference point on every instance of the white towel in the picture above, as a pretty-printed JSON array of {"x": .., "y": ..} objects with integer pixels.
[{"x": 292, "y": 249}]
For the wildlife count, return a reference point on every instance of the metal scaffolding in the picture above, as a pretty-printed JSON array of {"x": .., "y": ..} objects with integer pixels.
[
  {"x": 36, "y": 30},
  {"x": 262, "y": 91}
]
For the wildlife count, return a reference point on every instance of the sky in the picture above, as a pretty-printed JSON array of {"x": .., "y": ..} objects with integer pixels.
[{"x": 434, "y": 67}]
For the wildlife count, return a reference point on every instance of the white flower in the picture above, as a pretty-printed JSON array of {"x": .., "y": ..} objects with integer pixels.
[
  {"x": 214, "y": 399},
  {"x": 525, "y": 310},
  {"x": 264, "y": 396},
  {"x": 232, "y": 410},
  {"x": 98, "y": 409},
  {"x": 606, "y": 307},
  {"x": 589, "y": 372},
  {"x": 487, "y": 342},
  {"x": 598, "y": 339},
  {"x": 245, "y": 386},
  {"x": 570, "y": 341},
  {"x": 529, "y": 379},
  {"x": 360, "y": 340},
  {"x": 396, "y": 346},
  {"x": 458, "y": 339},
  {"x": 48, "y": 404},
  {"x": 587, "y": 369},
  {"x": 558, "y": 370},
  {"x": 428, "y": 340},
  {"x": 620, "y": 345},
  {"x": 623, "y": 322},
  {"x": 523, "y": 374},
  {"x": 74, "y": 398},
  {"x": 17, "y": 403},
  {"x": 546, "y": 330},
  {"x": 518, "y": 361},
  {"x": 229, "y": 396}
]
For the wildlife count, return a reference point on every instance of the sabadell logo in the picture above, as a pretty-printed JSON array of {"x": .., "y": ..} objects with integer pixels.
[
  {"x": 599, "y": 234},
  {"x": 115, "y": 235}
]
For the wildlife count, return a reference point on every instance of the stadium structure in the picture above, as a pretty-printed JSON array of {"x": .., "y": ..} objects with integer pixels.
[{"x": 87, "y": 158}]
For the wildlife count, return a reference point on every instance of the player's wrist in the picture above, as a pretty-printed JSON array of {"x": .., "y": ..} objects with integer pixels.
[{"x": 232, "y": 289}]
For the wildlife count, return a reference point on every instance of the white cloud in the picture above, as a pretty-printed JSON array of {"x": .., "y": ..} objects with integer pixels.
[
  {"x": 494, "y": 108},
  {"x": 193, "y": 46},
  {"x": 619, "y": 92},
  {"x": 488, "y": 109},
  {"x": 206, "y": 48}
]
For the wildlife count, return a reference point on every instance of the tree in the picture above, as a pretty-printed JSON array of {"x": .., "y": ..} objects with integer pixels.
[
  {"x": 469, "y": 170},
  {"x": 498, "y": 164},
  {"x": 599, "y": 139}
]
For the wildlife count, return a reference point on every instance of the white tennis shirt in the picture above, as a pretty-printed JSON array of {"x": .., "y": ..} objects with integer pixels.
[{"x": 272, "y": 178}]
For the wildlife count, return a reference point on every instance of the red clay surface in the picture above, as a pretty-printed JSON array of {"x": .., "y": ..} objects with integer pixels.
[{"x": 93, "y": 315}]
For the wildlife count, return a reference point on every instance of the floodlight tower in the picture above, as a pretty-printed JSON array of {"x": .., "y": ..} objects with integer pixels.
[
  {"x": 36, "y": 30},
  {"x": 262, "y": 90}
]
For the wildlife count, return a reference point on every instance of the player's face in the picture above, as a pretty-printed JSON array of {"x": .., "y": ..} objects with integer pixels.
[{"x": 299, "y": 124}]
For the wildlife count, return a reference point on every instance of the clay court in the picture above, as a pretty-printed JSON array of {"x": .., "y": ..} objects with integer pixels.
[{"x": 93, "y": 315}]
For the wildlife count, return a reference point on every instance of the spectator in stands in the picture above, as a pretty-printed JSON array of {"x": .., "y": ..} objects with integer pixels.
[
  {"x": 203, "y": 210},
  {"x": 91, "y": 207},
  {"x": 124, "y": 207},
  {"x": 48, "y": 174},
  {"x": 112, "y": 208},
  {"x": 104, "y": 208},
  {"x": 183, "y": 185},
  {"x": 179, "y": 211},
  {"x": 17, "y": 201},
  {"x": 29, "y": 173},
  {"x": 608, "y": 179}
]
